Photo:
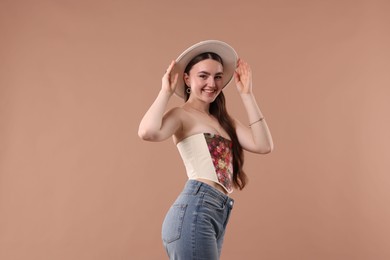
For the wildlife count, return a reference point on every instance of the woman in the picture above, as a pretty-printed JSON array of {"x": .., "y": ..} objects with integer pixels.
[{"x": 210, "y": 142}]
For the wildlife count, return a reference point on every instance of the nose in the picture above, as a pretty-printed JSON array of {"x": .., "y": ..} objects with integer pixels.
[{"x": 211, "y": 82}]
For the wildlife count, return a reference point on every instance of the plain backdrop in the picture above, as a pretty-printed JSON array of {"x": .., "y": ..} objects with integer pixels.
[{"x": 76, "y": 77}]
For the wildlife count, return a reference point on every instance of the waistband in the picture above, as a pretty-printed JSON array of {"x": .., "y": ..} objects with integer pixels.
[{"x": 194, "y": 187}]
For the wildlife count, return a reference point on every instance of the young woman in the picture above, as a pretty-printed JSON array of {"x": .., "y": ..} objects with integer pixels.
[{"x": 210, "y": 143}]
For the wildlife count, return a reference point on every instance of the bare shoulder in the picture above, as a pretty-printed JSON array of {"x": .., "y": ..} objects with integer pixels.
[
  {"x": 187, "y": 120},
  {"x": 175, "y": 116}
]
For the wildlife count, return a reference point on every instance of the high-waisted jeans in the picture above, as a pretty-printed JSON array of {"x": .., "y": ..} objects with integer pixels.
[{"x": 194, "y": 226}]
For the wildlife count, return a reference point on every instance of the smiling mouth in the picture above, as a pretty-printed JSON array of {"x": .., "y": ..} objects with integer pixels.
[{"x": 208, "y": 90}]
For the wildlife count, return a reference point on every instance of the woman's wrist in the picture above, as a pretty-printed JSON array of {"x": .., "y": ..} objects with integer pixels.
[
  {"x": 247, "y": 96},
  {"x": 165, "y": 93},
  {"x": 261, "y": 118}
]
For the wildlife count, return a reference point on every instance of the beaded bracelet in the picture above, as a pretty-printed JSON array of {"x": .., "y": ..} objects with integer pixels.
[{"x": 259, "y": 120}]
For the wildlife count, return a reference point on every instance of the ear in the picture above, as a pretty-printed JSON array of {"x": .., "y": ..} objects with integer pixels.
[{"x": 187, "y": 79}]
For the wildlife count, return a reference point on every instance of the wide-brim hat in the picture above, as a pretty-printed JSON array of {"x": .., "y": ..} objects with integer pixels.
[{"x": 225, "y": 51}]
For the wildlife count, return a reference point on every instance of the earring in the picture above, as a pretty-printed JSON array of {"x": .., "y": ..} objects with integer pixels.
[{"x": 188, "y": 90}]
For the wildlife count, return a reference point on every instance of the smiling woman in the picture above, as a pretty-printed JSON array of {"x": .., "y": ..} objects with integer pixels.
[{"x": 210, "y": 143}]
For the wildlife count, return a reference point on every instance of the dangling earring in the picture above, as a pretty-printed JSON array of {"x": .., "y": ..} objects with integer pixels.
[{"x": 188, "y": 90}]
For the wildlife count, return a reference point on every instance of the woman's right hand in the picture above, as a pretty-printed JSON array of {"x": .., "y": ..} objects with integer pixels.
[{"x": 168, "y": 82}]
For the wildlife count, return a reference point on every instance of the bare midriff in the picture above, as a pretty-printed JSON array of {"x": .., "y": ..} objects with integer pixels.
[{"x": 213, "y": 184}]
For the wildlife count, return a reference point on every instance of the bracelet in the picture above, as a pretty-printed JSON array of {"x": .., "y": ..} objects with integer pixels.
[{"x": 259, "y": 120}]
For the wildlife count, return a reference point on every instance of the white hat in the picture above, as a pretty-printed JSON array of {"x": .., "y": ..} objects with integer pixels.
[{"x": 225, "y": 51}]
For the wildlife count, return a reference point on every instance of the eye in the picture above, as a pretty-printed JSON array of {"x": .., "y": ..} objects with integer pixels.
[
  {"x": 203, "y": 76},
  {"x": 218, "y": 77}
]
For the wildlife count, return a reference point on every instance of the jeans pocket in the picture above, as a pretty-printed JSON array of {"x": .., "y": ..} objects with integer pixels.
[{"x": 173, "y": 223}]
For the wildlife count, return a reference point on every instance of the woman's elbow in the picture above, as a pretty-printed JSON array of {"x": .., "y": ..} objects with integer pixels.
[
  {"x": 269, "y": 149},
  {"x": 146, "y": 135},
  {"x": 265, "y": 149}
]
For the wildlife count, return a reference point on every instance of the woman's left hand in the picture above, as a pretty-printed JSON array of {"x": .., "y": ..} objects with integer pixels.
[{"x": 243, "y": 77}]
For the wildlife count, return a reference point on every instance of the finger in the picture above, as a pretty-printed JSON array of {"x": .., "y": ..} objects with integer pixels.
[
  {"x": 245, "y": 68},
  {"x": 238, "y": 68},
  {"x": 236, "y": 77},
  {"x": 175, "y": 79},
  {"x": 170, "y": 67}
]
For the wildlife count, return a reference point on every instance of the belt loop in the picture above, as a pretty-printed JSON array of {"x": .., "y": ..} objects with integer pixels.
[{"x": 198, "y": 188}]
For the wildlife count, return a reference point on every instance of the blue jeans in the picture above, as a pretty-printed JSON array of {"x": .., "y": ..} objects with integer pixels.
[{"x": 194, "y": 226}]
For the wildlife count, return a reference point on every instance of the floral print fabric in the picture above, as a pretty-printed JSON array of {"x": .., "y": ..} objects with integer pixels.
[{"x": 221, "y": 153}]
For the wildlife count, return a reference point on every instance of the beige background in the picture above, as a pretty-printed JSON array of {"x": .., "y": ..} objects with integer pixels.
[{"x": 77, "y": 76}]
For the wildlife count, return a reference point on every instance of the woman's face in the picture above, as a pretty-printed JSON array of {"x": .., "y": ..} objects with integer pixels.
[{"x": 205, "y": 80}]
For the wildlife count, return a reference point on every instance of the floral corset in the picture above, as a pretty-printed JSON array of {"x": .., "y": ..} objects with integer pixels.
[{"x": 208, "y": 156}]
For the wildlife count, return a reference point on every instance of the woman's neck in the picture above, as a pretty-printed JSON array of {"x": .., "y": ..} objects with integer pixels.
[{"x": 198, "y": 106}]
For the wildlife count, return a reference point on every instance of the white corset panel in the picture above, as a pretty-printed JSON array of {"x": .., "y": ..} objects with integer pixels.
[{"x": 208, "y": 156}]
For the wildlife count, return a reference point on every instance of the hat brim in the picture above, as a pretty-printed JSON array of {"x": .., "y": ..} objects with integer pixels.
[{"x": 225, "y": 51}]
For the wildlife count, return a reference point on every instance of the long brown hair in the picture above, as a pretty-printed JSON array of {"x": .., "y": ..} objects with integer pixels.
[{"x": 219, "y": 111}]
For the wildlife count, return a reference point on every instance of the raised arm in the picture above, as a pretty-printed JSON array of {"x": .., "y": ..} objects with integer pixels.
[
  {"x": 155, "y": 125},
  {"x": 255, "y": 137}
]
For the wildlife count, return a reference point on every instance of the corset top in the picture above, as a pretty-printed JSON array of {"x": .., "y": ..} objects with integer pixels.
[{"x": 208, "y": 156}]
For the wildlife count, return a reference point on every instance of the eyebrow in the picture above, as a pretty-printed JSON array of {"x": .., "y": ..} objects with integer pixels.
[{"x": 208, "y": 73}]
